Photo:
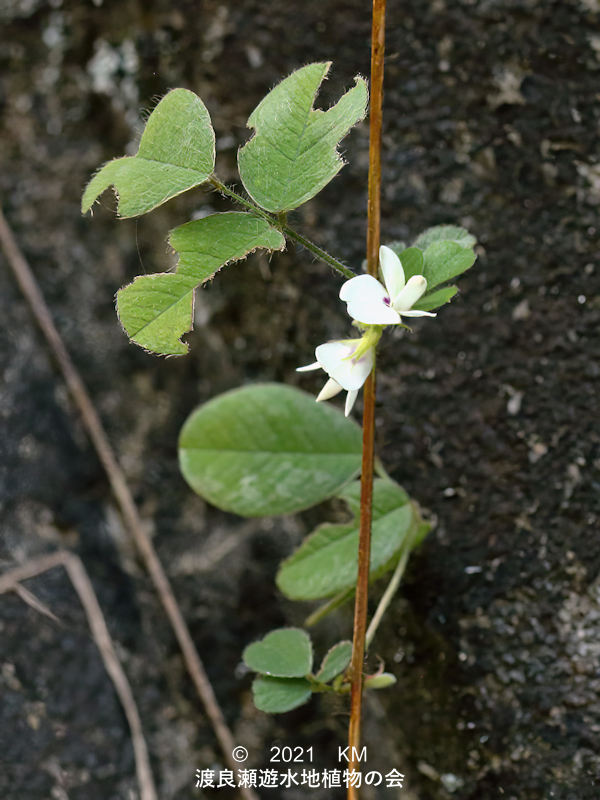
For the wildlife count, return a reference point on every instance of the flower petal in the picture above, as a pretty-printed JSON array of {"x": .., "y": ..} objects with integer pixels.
[
  {"x": 350, "y": 400},
  {"x": 417, "y": 313},
  {"x": 368, "y": 301},
  {"x": 330, "y": 390},
  {"x": 392, "y": 271},
  {"x": 414, "y": 289},
  {"x": 336, "y": 360},
  {"x": 309, "y": 367},
  {"x": 356, "y": 287}
]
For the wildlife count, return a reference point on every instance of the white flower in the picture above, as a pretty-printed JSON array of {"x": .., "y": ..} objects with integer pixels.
[
  {"x": 373, "y": 303},
  {"x": 348, "y": 363}
]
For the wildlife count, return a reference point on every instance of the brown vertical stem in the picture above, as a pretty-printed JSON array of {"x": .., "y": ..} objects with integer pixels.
[
  {"x": 366, "y": 496},
  {"x": 375, "y": 114}
]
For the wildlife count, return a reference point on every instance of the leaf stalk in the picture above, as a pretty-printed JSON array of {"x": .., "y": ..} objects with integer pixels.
[
  {"x": 390, "y": 591},
  {"x": 280, "y": 222}
]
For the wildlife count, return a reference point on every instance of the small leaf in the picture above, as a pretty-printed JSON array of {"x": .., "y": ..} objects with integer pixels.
[
  {"x": 277, "y": 695},
  {"x": 176, "y": 153},
  {"x": 206, "y": 244},
  {"x": 412, "y": 262},
  {"x": 326, "y": 562},
  {"x": 452, "y": 233},
  {"x": 436, "y": 299},
  {"x": 293, "y": 153},
  {"x": 284, "y": 653},
  {"x": 444, "y": 260},
  {"x": 268, "y": 449},
  {"x": 381, "y": 681},
  {"x": 156, "y": 310},
  {"x": 335, "y": 662}
]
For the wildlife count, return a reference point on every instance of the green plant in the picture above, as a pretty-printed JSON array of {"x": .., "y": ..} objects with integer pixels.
[{"x": 269, "y": 449}]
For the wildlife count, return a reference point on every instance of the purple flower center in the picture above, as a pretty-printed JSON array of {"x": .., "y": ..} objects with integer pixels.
[{"x": 387, "y": 301}]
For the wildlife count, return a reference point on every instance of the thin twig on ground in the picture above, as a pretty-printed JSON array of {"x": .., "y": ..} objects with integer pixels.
[
  {"x": 83, "y": 586},
  {"x": 118, "y": 482},
  {"x": 31, "y": 600}
]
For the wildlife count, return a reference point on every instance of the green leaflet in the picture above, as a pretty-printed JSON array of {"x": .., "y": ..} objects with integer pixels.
[
  {"x": 325, "y": 563},
  {"x": 277, "y": 695},
  {"x": 451, "y": 233},
  {"x": 412, "y": 261},
  {"x": 156, "y": 310},
  {"x": 268, "y": 449},
  {"x": 176, "y": 153},
  {"x": 283, "y": 653},
  {"x": 335, "y": 662},
  {"x": 436, "y": 299},
  {"x": 293, "y": 153},
  {"x": 444, "y": 260}
]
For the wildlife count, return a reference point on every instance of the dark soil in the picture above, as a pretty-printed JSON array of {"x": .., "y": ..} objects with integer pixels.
[{"x": 488, "y": 415}]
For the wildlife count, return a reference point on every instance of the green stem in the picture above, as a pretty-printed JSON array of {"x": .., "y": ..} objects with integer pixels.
[
  {"x": 328, "y": 607},
  {"x": 280, "y": 223},
  {"x": 224, "y": 189},
  {"x": 380, "y": 470},
  {"x": 389, "y": 593},
  {"x": 318, "y": 252},
  {"x": 317, "y": 686}
]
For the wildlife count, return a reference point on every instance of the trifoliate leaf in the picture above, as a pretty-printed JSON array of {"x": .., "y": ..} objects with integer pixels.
[
  {"x": 293, "y": 153},
  {"x": 176, "y": 153},
  {"x": 283, "y": 653},
  {"x": 156, "y": 310}
]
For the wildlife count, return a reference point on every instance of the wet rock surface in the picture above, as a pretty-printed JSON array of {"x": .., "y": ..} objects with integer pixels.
[{"x": 488, "y": 415}]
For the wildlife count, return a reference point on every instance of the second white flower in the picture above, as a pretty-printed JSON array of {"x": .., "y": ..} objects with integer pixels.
[{"x": 373, "y": 303}]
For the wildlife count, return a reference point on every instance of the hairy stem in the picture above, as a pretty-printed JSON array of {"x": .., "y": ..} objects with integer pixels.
[
  {"x": 366, "y": 496},
  {"x": 323, "y": 255},
  {"x": 242, "y": 201},
  {"x": 280, "y": 222}
]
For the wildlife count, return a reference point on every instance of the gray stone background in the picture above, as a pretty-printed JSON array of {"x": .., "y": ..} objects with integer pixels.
[{"x": 488, "y": 415}]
